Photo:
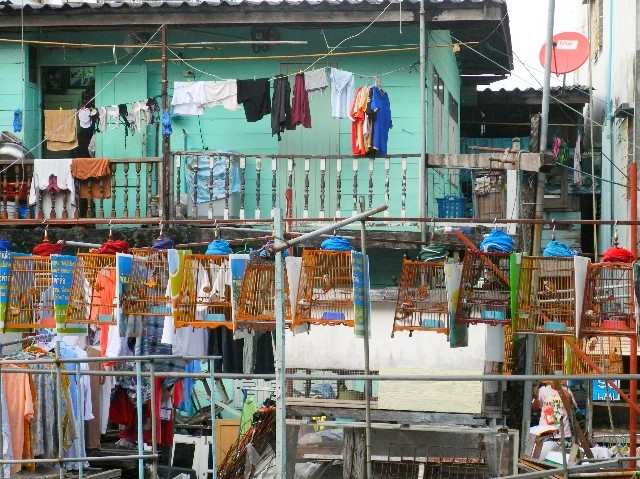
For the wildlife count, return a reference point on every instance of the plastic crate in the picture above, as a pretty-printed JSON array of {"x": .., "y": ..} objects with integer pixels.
[{"x": 452, "y": 207}]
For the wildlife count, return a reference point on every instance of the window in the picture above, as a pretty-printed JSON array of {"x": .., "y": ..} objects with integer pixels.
[
  {"x": 595, "y": 23},
  {"x": 454, "y": 142},
  {"x": 438, "y": 106}
]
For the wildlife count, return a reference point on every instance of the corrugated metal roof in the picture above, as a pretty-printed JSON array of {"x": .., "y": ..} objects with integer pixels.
[
  {"x": 555, "y": 89},
  {"x": 180, "y": 3}
]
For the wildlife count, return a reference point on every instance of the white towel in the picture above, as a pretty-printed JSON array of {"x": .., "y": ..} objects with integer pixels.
[
  {"x": 188, "y": 98},
  {"x": 43, "y": 169},
  {"x": 223, "y": 93}
]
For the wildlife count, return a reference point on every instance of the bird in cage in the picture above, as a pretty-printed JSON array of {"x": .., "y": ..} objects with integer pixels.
[
  {"x": 327, "y": 284},
  {"x": 489, "y": 276},
  {"x": 423, "y": 291}
]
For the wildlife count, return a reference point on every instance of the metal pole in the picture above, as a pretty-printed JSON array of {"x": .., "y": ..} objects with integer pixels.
[
  {"x": 282, "y": 245},
  {"x": 139, "y": 411},
  {"x": 167, "y": 164},
  {"x": 80, "y": 421},
  {"x": 154, "y": 420},
  {"x": 422, "y": 164},
  {"x": 2, "y": 398},
  {"x": 544, "y": 130},
  {"x": 59, "y": 408},
  {"x": 527, "y": 391},
  {"x": 365, "y": 317},
  {"x": 214, "y": 459},
  {"x": 280, "y": 292}
]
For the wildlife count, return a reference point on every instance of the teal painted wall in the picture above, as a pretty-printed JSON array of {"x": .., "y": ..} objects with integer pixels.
[{"x": 222, "y": 129}]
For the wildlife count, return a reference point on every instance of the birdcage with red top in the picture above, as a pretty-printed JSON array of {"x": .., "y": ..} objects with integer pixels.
[
  {"x": 609, "y": 300},
  {"x": 30, "y": 294},
  {"x": 93, "y": 289}
]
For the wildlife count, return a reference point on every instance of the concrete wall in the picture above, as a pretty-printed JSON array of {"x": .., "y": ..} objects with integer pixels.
[{"x": 613, "y": 83}]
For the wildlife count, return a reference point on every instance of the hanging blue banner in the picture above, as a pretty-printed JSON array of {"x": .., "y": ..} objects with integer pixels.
[
  {"x": 361, "y": 300},
  {"x": 62, "y": 267}
]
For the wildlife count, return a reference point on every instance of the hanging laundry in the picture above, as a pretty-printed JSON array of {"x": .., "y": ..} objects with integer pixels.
[
  {"x": 316, "y": 81},
  {"x": 342, "y": 92},
  {"x": 280, "y": 106},
  {"x": 577, "y": 161},
  {"x": 85, "y": 132},
  {"x": 140, "y": 112},
  {"x": 17, "y": 121},
  {"x": 7, "y": 448},
  {"x": 254, "y": 96},
  {"x": 358, "y": 118},
  {"x": 222, "y": 93},
  {"x": 188, "y": 98},
  {"x": 152, "y": 103},
  {"x": 102, "y": 119},
  {"x": 166, "y": 123},
  {"x": 113, "y": 113},
  {"x": 20, "y": 407},
  {"x": 51, "y": 175},
  {"x": 382, "y": 120},
  {"x": 60, "y": 130},
  {"x": 300, "y": 112},
  {"x": 84, "y": 116},
  {"x": 94, "y": 175}
]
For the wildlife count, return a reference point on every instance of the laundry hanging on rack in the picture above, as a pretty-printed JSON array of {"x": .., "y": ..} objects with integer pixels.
[
  {"x": 316, "y": 81},
  {"x": 52, "y": 175},
  {"x": 281, "y": 106},
  {"x": 300, "y": 112},
  {"x": 94, "y": 177},
  {"x": 254, "y": 96},
  {"x": 342, "y": 92}
]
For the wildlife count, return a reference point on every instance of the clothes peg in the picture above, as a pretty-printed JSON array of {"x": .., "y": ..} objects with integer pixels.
[{"x": 110, "y": 231}]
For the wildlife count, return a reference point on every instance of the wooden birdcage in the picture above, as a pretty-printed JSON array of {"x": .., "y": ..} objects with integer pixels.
[
  {"x": 146, "y": 290},
  {"x": 550, "y": 354},
  {"x": 507, "y": 366},
  {"x": 484, "y": 288},
  {"x": 92, "y": 289},
  {"x": 604, "y": 351},
  {"x": 256, "y": 303},
  {"x": 325, "y": 289},
  {"x": 30, "y": 293},
  {"x": 205, "y": 293},
  {"x": 608, "y": 307},
  {"x": 422, "y": 298},
  {"x": 546, "y": 296}
]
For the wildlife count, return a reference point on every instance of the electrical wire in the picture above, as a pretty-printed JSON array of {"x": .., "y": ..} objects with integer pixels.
[{"x": 87, "y": 103}]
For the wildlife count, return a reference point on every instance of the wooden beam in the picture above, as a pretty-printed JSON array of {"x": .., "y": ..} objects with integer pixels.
[{"x": 528, "y": 161}]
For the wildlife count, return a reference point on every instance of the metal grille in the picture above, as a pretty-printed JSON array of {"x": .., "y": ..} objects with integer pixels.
[
  {"x": 507, "y": 367},
  {"x": 256, "y": 304},
  {"x": 604, "y": 351},
  {"x": 30, "y": 293},
  {"x": 205, "y": 293},
  {"x": 609, "y": 300},
  {"x": 325, "y": 290},
  {"x": 92, "y": 289},
  {"x": 330, "y": 388},
  {"x": 546, "y": 296},
  {"x": 422, "y": 299},
  {"x": 146, "y": 292},
  {"x": 484, "y": 289}
]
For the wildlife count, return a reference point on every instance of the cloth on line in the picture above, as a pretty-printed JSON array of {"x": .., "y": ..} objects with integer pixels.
[
  {"x": 300, "y": 112},
  {"x": 162, "y": 243},
  {"x": 254, "y": 96},
  {"x": 52, "y": 174},
  {"x": 316, "y": 81},
  {"x": 342, "y": 92},
  {"x": 555, "y": 249},
  {"x": 97, "y": 169},
  {"x": 17, "y": 120},
  {"x": 281, "y": 106},
  {"x": 47, "y": 249},
  {"x": 84, "y": 117},
  {"x": 188, "y": 98},
  {"x": 60, "y": 130},
  {"x": 113, "y": 247},
  {"x": 223, "y": 93}
]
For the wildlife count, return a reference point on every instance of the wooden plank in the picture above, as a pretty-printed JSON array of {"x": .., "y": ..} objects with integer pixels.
[
  {"x": 110, "y": 474},
  {"x": 528, "y": 161}
]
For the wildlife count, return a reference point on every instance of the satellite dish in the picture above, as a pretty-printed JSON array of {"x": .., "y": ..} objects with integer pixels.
[{"x": 569, "y": 52}]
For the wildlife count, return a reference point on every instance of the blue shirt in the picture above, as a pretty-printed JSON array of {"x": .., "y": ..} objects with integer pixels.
[{"x": 382, "y": 119}]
